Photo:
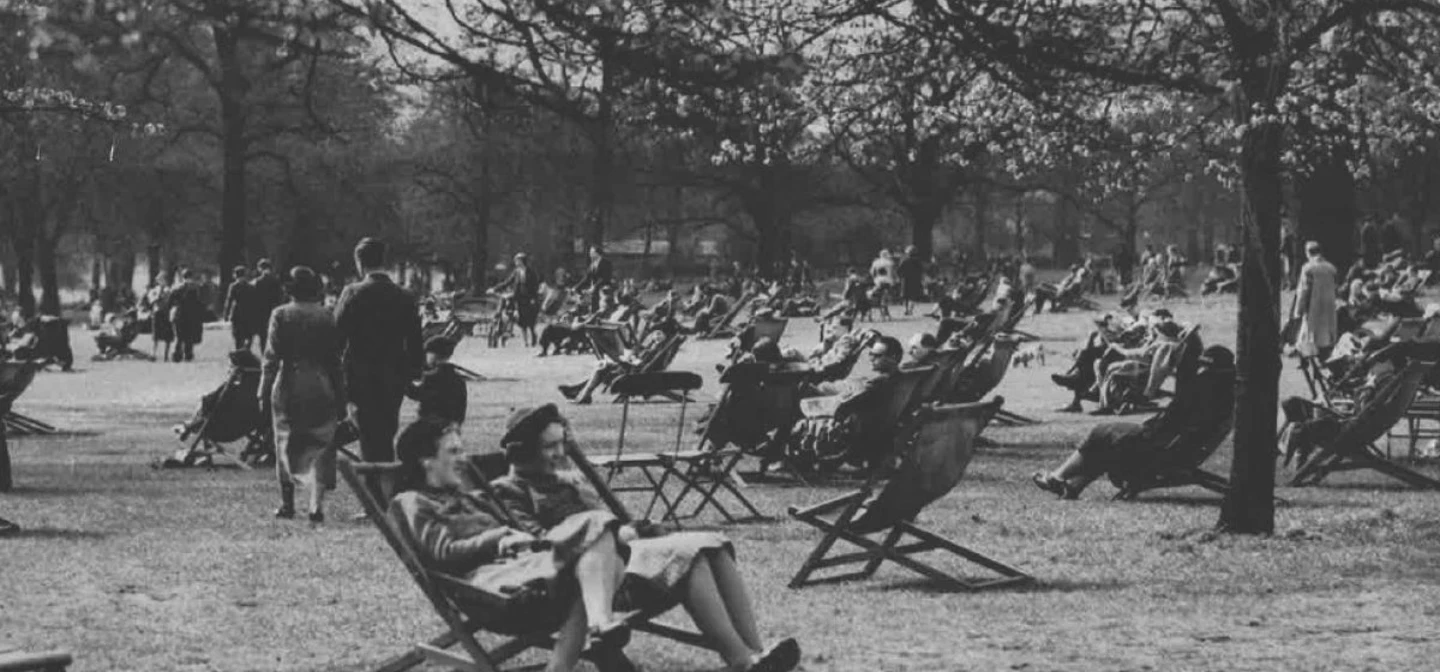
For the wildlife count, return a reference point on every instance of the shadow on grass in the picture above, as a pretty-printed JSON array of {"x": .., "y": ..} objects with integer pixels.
[
  {"x": 23, "y": 491},
  {"x": 52, "y": 533},
  {"x": 920, "y": 585}
]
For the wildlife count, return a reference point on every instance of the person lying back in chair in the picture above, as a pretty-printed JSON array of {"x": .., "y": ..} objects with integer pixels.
[
  {"x": 1202, "y": 403},
  {"x": 697, "y": 567},
  {"x": 836, "y": 413},
  {"x": 468, "y": 534}
]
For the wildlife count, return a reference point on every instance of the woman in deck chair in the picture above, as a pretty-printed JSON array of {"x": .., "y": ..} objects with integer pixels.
[
  {"x": 468, "y": 534},
  {"x": 1201, "y": 402},
  {"x": 697, "y": 568}
]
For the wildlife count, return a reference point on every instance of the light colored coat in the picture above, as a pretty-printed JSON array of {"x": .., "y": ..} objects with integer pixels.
[{"x": 1315, "y": 306}]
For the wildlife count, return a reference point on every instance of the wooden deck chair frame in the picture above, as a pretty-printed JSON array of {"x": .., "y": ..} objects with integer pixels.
[
  {"x": 607, "y": 341},
  {"x": 709, "y": 469},
  {"x": 835, "y": 517},
  {"x": 656, "y": 468},
  {"x": 15, "y": 378},
  {"x": 438, "y": 589},
  {"x": 42, "y": 661},
  {"x": 725, "y": 322},
  {"x": 1165, "y": 471},
  {"x": 1354, "y": 447},
  {"x": 993, "y": 365}
]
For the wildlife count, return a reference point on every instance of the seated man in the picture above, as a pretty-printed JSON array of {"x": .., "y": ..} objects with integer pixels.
[
  {"x": 45, "y": 338},
  {"x": 716, "y": 307},
  {"x": 1116, "y": 337},
  {"x": 117, "y": 334},
  {"x": 836, "y": 413},
  {"x": 1202, "y": 404},
  {"x": 244, "y": 378}
]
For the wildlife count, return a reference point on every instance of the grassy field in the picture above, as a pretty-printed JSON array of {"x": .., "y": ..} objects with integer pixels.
[{"x": 131, "y": 568}]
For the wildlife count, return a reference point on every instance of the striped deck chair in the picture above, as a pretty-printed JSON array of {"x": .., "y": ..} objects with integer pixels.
[{"x": 933, "y": 448}]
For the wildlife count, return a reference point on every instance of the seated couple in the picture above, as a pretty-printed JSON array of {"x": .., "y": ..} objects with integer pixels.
[
  {"x": 1150, "y": 341},
  {"x": 1203, "y": 404},
  {"x": 547, "y": 527}
]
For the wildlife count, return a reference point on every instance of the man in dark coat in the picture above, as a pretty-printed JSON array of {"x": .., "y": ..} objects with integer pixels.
[
  {"x": 600, "y": 274},
  {"x": 239, "y": 311},
  {"x": 266, "y": 294},
  {"x": 383, "y": 351},
  {"x": 912, "y": 279},
  {"x": 187, "y": 313}
]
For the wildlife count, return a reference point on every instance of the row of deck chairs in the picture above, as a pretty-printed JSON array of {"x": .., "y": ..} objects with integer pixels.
[{"x": 930, "y": 454}]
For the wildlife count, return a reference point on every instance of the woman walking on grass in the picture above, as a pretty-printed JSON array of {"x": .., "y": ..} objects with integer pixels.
[{"x": 304, "y": 387}]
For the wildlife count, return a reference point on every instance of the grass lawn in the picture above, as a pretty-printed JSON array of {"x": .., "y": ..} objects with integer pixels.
[{"x": 130, "y": 568}]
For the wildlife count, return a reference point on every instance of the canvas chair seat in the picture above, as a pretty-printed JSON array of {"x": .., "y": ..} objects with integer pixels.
[{"x": 931, "y": 451}]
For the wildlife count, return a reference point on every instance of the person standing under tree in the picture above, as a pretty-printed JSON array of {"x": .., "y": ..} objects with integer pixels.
[
  {"x": 266, "y": 294},
  {"x": 162, "y": 330},
  {"x": 238, "y": 310},
  {"x": 524, "y": 287},
  {"x": 303, "y": 390},
  {"x": 600, "y": 274},
  {"x": 912, "y": 279},
  {"x": 187, "y": 313},
  {"x": 381, "y": 339},
  {"x": 1315, "y": 305}
]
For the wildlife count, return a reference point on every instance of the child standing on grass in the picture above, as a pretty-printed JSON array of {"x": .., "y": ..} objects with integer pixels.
[{"x": 441, "y": 390}]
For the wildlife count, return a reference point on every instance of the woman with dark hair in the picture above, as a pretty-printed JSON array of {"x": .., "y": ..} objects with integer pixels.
[
  {"x": 698, "y": 568},
  {"x": 468, "y": 533},
  {"x": 303, "y": 388}
]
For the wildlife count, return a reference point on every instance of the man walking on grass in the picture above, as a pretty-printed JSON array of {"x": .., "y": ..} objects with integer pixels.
[{"x": 380, "y": 335}]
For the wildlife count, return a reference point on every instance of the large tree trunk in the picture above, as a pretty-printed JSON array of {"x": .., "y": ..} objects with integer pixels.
[
  {"x": 26, "y": 218},
  {"x": 1327, "y": 211},
  {"x": 602, "y": 176},
  {"x": 1249, "y": 506},
  {"x": 982, "y": 223},
  {"x": 47, "y": 266},
  {"x": 1067, "y": 239},
  {"x": 923, "y": 218},
  {"x": 233, "y": 148},
  {"x": 480, "y": 239}
]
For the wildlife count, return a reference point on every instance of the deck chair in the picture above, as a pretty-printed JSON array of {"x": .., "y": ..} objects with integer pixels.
[
  {"x": 722, "y": 327},
  {"x": 15, "y": 378},
  {"x": 1179, "y": 464},
  {"x": 983, "y": 374},
  {"x": 933, "y": 450},
  {"x": 465, "y": 609},
  {"x": 1125, "y": 384},
  {"x": 1353, "y": 446},
  {"x": 896, "y": 398},
  {"x": 753, "y": 403},
  {"x": 657, "y": 471},
  {"x": 23, "y": 661}
]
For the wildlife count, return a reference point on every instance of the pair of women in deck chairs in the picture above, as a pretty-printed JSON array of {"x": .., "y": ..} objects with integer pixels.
[
  {"x": 538, "y": 533},
  {"x": 1176, "y": 438}
]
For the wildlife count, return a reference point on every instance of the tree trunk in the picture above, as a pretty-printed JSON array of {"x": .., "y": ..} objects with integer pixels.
[
  {"x": 1327, "y": 211},
  {"x": 1067, "y": 239},
  {"x": 923, "y": 218},
  {"x": 25, "y": 218},
  {"x": 233, "y": 148},
  {"x": 982, "y": 222},
  {"x": 1249, "y": 506},
  {"x": 47, "y": 266},
  {"x": 480, "y": 246},
  {"x": 602, "y": 175}
]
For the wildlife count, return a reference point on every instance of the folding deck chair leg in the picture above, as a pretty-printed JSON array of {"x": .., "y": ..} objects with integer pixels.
[
  {"x": 1372, "y": 460},
  {"x": 851, "y": 504}
]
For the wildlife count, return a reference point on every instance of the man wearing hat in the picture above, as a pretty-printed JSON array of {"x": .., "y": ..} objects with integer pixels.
[
  {"x": 187, "y": 313},
  {"x": 380, "y": 333},
  {"x": 524, "y": 285},
  {"x": 1315, "y": 305},
  {"x": 266, "y": 294}
]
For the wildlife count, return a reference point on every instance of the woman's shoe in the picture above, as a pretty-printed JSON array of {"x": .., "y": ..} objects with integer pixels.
[
  {"x": 612, "y": 636},
  {"x": 317, "y": 517},
  {"x": 782, "y": 657},
  {"x": 1053, "y": 486},
  {"x": 285, "y": 512}
]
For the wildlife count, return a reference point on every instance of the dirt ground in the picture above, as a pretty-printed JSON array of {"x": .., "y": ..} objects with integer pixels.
[{"x": 131, "y": 568}]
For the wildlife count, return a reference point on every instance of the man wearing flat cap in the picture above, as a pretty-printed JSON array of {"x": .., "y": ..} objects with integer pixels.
[{"x": 380, "y": 333}]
